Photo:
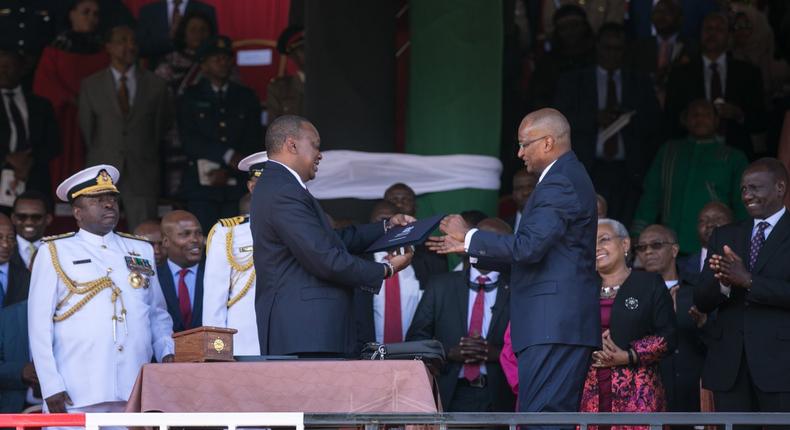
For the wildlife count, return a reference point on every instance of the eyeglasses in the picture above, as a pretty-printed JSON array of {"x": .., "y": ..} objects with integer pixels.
[
  {"x": 530, "y": 142},
  {"x": 32, "y": 217},
  {"x": 655, "y": 246}
]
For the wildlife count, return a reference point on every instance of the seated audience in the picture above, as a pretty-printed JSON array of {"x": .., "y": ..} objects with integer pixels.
[
  {"x": 31, "y": 215},
  {"x": 74, "y": 55},
  {"x": 158, "y": 24},
  {"x": 524, "y": 184},
  {"x": 638, "y": 330},
  {"x": 151, "y": 230},
  {"x": 181, "y": 68},
  {"x": 181, "y": 277},
  {"x": 19, "y": 386},
  {"x": 14, "y": 275},
  {"x": 733, "y": 86},
  {"x": 681, "y": 370},
  {"x": 711, "y": 216},
  {"x": 688, "y": 173},
  {"x": 472, "y": 380},
  {"x": 746, "y": 281},
  {"x": 425, "y": 263},
  {"x": 599, "y": 12},
  {"x": 29, "y": 135},
  {"x": 592, "y": 99}
]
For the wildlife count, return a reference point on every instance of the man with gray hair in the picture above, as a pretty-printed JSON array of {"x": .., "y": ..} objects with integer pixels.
[{"x": 555, "y": 322}]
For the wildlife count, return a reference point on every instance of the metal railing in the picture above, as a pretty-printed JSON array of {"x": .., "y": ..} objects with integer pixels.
[{"x": 441, "y": 421}]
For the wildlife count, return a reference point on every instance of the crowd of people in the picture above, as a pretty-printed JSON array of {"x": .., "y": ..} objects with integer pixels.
[{"x": 675, "y": 119}]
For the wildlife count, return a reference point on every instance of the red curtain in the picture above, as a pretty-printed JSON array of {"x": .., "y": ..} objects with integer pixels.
[{"x": 246, "y": 19}]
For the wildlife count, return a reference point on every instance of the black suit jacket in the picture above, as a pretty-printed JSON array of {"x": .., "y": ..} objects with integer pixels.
[
  {"x": 18, "y": 281},
  {"x": 169, "y": 291},
  {"x": 442, "y": 315},
  {"x": 651, "y": 312},
  {"x": 14, "y": 355},
  {"x": 682, "y": 368},
  {"x": 644, "y": 53},
  {"x": 688, "y": 266},
  {"x": 743, "y": 88},
  {"x": 577, "y": 98},
  {"x": 306, "y": 272},
  {"x": 43, "y": 136},
  {"x": 153, "y": 27},
  {"x": 757, "y": 320}
]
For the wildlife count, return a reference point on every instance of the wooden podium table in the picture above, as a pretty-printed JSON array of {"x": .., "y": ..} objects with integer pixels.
[{"x": 285, "y": 386}]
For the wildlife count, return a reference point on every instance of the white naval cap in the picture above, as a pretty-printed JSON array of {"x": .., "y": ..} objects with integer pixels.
[
  {"x": 254, "y": 163},
  {"x": 94, "y": 180}
]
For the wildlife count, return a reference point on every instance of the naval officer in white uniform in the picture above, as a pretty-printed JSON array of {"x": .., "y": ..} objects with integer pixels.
[
  {"x": 96, "y": 312},
  {"x": 229, "y": 281}
]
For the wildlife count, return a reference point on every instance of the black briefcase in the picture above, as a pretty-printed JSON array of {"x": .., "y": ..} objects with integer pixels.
[{"x": 430, "y": 352}]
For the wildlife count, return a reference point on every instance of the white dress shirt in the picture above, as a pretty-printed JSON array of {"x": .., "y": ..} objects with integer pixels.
[
  {"x": 468, "y": 237},
  {"x": 489, "y": 300},
  {"x": 21, "y": 104},
  {"x": 703, "y": 254},
  {"x": 171, "y": 5},
  {"x": 26, "y": 249},
  {"x": 602, "y": 77},
  {"x": 131, "y": 82},
  {"x": 410, "y": 295},
  {"x": 293, "y": 172},
  {"x": 190, "y": 279},
  {"x": 708, "y": 74}
]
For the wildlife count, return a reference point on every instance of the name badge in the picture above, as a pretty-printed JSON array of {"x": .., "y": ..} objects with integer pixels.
[
  {"x": 81, "y": 261},
  {"x": 245, "y": 249}
]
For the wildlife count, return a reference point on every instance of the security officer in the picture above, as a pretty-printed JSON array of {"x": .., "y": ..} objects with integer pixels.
[
  {"x": 220, "y": 123},
  {"x": 285, "y": 95},
  {"x": 96, "y": 311},
  {"x": 27, "y": 27},
  {"x": 229, "y": 280}
]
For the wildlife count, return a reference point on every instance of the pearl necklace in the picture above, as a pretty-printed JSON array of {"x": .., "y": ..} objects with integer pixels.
[{"x": 609, "y": 291}]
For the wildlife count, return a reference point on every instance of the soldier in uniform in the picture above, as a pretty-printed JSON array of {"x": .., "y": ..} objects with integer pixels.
[
  {"x": 27, "y": 27},
  {"x": 285, "y": 95},
  {"x": 220, "y": 123},
  {"x": 229, "y": 280},
  {"x": 96, "y": 311}
]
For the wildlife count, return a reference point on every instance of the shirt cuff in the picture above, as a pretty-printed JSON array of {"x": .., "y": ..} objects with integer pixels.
[
  {"x": 228, "y": 155},
  {"x": 468, "y": 239},
  {"x": 725, "y": 289}
]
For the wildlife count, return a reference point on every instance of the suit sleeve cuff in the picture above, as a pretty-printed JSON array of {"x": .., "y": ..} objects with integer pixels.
[{"x": 468, "y": 239}]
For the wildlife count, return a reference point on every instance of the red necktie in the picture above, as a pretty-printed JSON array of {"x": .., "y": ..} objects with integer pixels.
[
  {"x": 472, "y": 371},
  {"x": 393, "y": 330},
  {"x": 184, "y": 305}
]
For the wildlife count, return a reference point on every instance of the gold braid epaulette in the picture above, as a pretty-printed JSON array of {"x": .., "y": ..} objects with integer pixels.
[
  {"x": 235, "y": 265},
  {"x": 89, "y": 289}
]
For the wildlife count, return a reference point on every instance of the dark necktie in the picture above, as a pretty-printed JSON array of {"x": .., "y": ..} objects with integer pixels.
[
  {"x": 393, "y": 329},
  {"x": 715, "y": 82},
  {"x": 610, "y": 146},
  {"x": 123, "y": 95},
  {"x": 184, "y": 304},
  {"x": 757, "y": 243},
  {"x": 176, "y": 18},
  {"x": 19, "y": 122},
  {"x": 472, "y": 370}
]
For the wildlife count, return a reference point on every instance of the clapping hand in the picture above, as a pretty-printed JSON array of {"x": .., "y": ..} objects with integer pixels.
[
  {"x": 455, "y": 227},
  {"x": 611, "y": 355},
  {"x": 698, "y": 317},
  {"x": 729, "y": 269}
]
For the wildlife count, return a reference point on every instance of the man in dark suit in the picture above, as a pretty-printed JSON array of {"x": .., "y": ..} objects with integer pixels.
[
  {"x": 657, "y": 250},
  {"x": 555, "y": 315},
  {"x": 711, "y": 216},
  {"x": 181, "y": 277},
  {"x": 19, "y": 386},
  {"x": 733, "y": 86},
  {"x": 424, "y": 262},
  {"x": 468, "y": 312},
  {"x": 524, "y": 184},
  {"x": 159, "y": 20},
  {"x": 595, "y": 97},
  {"x": 28, "y": 131},
  {"x": 305, "y": 272},
  {"x": 220, "y": 123},
  {"x": 747, "y": 281},
  {"x": 14, "y": 276}
]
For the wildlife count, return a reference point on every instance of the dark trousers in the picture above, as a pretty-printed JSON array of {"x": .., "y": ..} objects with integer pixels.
[
  {"x": 745, "y": 396},
  {"x": 551, "y": 378},
  {"x": 471, "y": 399}
]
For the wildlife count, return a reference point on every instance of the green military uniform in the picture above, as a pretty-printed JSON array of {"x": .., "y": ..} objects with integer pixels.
[
  {"x": 685, "y": 175},
  {"x": 285, "y": 96}
]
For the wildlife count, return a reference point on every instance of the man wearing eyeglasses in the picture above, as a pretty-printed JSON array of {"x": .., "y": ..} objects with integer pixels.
[
  {"x": 657, "y": 250},
  {"x": 31, "y": 217}
]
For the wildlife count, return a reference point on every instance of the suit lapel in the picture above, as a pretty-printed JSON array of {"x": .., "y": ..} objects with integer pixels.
[
  {"x": 169, "y": 291},
  {"x": 777, "y": 237},
  {"x": 498, "y": 308},
  {"x": 462, "y": 303},
  {"x": 197, "y": 307}
]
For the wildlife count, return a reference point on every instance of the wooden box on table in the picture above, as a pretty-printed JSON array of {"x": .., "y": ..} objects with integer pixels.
[{"x": 203, "y": 344}]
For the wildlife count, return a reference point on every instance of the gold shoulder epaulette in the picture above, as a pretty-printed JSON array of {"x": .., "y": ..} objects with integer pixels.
[
  {"x": 132, "y": 236},
  {"x": 58, "y": 236},
  {"x": 234, "y": 221}
]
